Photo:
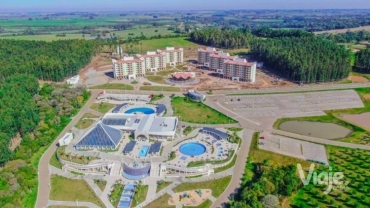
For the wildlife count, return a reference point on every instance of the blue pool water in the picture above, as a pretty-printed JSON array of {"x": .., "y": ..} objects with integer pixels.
[
  {"x": 140, "y": 110},
  {"x": 143, "y": 151},
  {"x": 193, "y": 149}
]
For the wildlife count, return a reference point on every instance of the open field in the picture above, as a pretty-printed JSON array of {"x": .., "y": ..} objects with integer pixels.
[
  {"x": 102, "y": 107},
  {"x": 194, "y": 112},
  {"x": 355, "y": 167},
  {"x": 367, "y": 28},
  {"x": 64, "y": 189},
  {"x": 217, "y": 186},
  {"x": 113, "y": 86},
  {"x": 161, "y": 202},
  {"x": 85, "y": 122},
  {"x": 160, "y": 88}
]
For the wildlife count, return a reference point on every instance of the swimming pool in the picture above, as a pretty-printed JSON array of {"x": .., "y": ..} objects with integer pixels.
[
  {"x": 143, "y": 151},
  {"x": 140, "y": 110},
  {"x": 193, "y": 149}
]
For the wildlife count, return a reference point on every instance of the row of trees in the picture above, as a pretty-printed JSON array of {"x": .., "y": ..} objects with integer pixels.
[
  {"x": 304, "y": 59},
  {"x": 46, "y": 61},
  {"x": 363, "y": 61},
  {"x": 222, "y": 38}
]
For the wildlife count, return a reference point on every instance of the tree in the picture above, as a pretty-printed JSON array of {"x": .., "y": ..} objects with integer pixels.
[{"x": 270, "y": 201}]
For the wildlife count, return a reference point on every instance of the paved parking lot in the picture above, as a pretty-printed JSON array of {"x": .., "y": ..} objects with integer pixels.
[
  {"x": 293, "y": 147},
  {"x": 292, "y": 104}
]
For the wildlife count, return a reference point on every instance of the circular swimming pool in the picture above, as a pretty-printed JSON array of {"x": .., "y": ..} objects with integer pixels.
[
  {"x": 193, "y": 149},
  {"x": 143, "y": 110}
]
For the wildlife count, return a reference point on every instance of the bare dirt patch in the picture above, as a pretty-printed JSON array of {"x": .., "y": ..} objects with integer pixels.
[
  {"x": 15, "y": 142},
  {"x": 362, "y": 119},
  {"x": 358, "y": 79},
  {"x": 367, "y": 97}
]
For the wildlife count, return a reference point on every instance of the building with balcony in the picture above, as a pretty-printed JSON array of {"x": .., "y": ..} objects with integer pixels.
[{"x": 129, "y": 67}]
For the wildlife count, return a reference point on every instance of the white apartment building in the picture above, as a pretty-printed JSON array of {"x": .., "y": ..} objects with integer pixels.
[
  {"x": 132, "y": 66},
  {"x": 231, "y": 67}
]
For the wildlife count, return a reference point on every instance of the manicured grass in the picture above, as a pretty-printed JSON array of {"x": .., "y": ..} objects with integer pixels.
[
  {"x": 54, "y": 161},
  {"x": 157, "y": 97},
  {"x": 194, "y": 112},
  {"x": 259, "y": 155},
  {"x": 217, "y": 186},
  {"x": 113, "y": 86},
  {"x": 115, "y": 195},
  {"x": 161, "y": 202},
  {"x": 157, "y": 79},
  {"x": 226, "y": 167},
  {"x": 65, "y": 189},
  {"x": 65, "y": 207},
  {"x": 234, "y": 129},
  {"x": 214, "y": 162},
  {"x": 166, "y": 72},
  {"x": 206, "y": 204},
  {"x": 102, "y": 107},
  {"x": 84, "y": 122},
  {"x": 101, "y": 184},
  {"x": 140, "y": 194},
  {"x": 353, "y": 163},
  {"x": 160, "y": 88},
  {"x": 188, "y": 130},
  {"x": 73, "y": 157},
  {"x": 162, "y": 186}
]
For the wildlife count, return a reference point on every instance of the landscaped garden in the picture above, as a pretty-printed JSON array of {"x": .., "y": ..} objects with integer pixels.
[
  {"x": 100, "y": 183},
  {"x": 85, "y": 121},
  {"x": 116, "y": 193},
  {"x": 68, "y": 156},
  {"x": 162, "y": 185},
  {"x": 156, "y": 79},
  {"x": 217, "y": 186},
  {"x": 160, "y": 88},
  {"x": 65, "y": 189},
  {"x": 157, "y": 97},
  {"x": 194, "y": 112},
  {"x": 113, "y": 86},
  {"x": 140, "y": 194},
  {"x": 102, "y": 107}
]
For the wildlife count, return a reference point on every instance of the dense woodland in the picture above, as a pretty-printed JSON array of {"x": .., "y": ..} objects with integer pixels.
[
  {"x": 36, "y": 116},
  {"x": 268, "y": 185},
  {"x": 46, "y": 61},
  {"x": 298, "y": 56},
  {"x": 363, "y": 61}
]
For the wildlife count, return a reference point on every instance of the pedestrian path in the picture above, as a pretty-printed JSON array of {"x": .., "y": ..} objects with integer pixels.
[
  {"x": 99, "y": 193},
  {"x": 151, "y": 192},
  {"x": 71, "y": 204}
]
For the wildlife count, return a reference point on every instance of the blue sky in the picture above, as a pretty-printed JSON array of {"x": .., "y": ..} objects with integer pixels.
[{"x": 124, "y": 5}]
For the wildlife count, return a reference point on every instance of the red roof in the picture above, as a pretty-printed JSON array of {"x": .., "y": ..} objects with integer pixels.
[{"x": 183, "y": 75}]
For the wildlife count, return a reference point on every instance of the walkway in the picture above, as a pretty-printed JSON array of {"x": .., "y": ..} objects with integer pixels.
[
  {"x": 43, "y": 166},
  {"x": 70, "y": 204}
]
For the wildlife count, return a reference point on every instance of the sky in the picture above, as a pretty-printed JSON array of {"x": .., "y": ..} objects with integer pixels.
[{"x": 145, "y": 5}]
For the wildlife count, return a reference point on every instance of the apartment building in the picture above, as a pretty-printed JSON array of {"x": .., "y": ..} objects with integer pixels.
[
  {"x": 231, "y": 67},
  {"x": 132, "y": 66},
  {"x": 129, "y": 67}
]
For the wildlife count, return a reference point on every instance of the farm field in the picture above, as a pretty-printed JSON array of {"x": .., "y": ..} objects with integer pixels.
[
  {"x": 344, "y": 30},
  {"x": 356, "y": 169}
]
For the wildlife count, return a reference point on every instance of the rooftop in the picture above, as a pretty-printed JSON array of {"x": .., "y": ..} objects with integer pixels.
[
  {"x": 183, "y": 75},
  {"x": 101, "y": 135}
]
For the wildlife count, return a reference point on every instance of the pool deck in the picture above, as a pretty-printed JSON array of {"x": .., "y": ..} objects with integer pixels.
[{"x": 220, "y": 147}]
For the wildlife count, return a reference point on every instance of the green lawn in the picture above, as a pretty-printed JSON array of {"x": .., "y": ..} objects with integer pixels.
[
  {"x": 217, "y": 186},
  {"x": 54, "y": 161},
  {"x": 259, "y": 155},
  {"x": 102, "y": 107},
  {"x": 166, "y": 72},
  {"x": 140, "y": 194},
  {"x": 157, "y": 79},
  {"x": 194, "y": 112},
  {"x": 150, "y": 45},
  {"x": 65, "y": 189},
  {"x": 101, "y": 184},
  {"x": 84, "y": 122},
  {"x": 160, "y": 88},
  {"x": 113, "y": 86},
  {"x": 226, "y": 167},
  {"x": 161, "y": 202},
  {"x": 157, "y": 97},
  {"x": 206, "y": 204},
  {"x": 162, "y": 186}
]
